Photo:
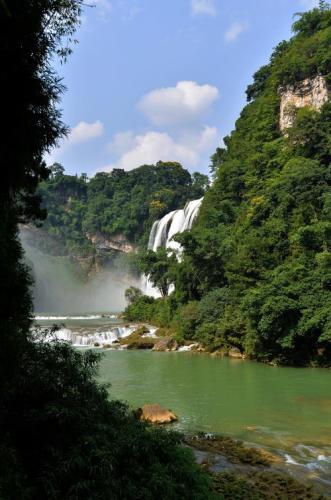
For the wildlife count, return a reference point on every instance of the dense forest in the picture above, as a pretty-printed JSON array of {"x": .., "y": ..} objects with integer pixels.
[
  {"x": 256, "y": 269},
  {"x": 120, "y": 204}
]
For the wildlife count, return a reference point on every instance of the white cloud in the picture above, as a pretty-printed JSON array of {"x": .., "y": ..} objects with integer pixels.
[
  {"x": 185, "y": 103},
  {"x": 207, "y": 139},
  {"x": 152, "y": 147},
  {"x": 122, "y": 142},
  {"x": 84, "y": 132},
  {"x": 234, "y": 31},
  {"x": 203, "y": 7}
]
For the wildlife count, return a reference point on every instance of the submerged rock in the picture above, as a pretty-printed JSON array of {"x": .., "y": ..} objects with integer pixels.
[{"x": 155, "y": 414}]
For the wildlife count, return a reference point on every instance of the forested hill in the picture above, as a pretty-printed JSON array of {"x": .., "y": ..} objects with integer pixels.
[
  {"x": 256, "y": 272},
  {"x": 115, "y": 209}
]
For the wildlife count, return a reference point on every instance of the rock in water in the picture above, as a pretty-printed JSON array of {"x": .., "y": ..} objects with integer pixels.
[
  {"x": 155, "y": 414},
  {"x": 166, "y": 344}
]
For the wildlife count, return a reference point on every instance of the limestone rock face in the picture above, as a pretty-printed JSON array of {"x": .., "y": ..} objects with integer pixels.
[
  {"x": 155, "y": 414},
  {"x": 118, "y": 243},
  {"x": 311, "y": 92},
  {"x": 166, "y": 344}
]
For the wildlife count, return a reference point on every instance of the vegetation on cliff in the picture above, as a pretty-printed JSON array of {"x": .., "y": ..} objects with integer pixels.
[
  {"x": 120, "y": 203},
  {"x": 256, "y": 268}
]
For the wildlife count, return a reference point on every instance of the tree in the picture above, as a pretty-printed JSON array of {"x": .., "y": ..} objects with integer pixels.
[
  {"x": 216, "y": 159},
  {"x": 158, "y": 266},
  {"x": 30, "y": 34},
  {"x": 57, "y": 170},
  {"x": 260, "y": 80},
  {"x": 132, "y": 294},
  {"x": 200, "y": 184}
]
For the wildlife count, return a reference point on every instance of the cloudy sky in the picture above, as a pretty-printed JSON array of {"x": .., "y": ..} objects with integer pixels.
[{"x": 163, "y": 79}]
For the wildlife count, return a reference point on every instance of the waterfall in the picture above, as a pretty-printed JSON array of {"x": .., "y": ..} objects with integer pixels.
[
  {"x": 172, "y": 223},
  {"x": 82, "y": 339},
  {"x": 165, "y": 229}
]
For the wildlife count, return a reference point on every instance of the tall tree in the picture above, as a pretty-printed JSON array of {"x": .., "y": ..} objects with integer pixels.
[{"x": 31, "y": 33}]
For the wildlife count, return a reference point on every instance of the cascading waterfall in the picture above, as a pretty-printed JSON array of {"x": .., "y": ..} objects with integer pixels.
[
  {"x": 172, "y": 223},
  {"x": 164, "y": 230},
  {"x": 81, "y": 339}
]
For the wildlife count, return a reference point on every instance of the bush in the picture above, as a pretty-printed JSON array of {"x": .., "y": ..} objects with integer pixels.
[{"x": 65, "y": 439}]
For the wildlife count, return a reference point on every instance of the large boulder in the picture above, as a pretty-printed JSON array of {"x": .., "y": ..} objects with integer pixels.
[
  {"x": 155, "y": 414},
  {"x": 165, "y": 344}
]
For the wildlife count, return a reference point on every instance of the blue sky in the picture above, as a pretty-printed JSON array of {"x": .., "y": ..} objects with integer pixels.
[{"x": 163, "y": 79}]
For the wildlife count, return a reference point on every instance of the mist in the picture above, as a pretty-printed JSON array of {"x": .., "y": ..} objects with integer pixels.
[{"x": 59, "y": 288}]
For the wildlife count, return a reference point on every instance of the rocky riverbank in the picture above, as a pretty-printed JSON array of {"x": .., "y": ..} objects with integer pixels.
[
  {"x": 249, "y": 473},
  {"x": 163, "y": 340}
]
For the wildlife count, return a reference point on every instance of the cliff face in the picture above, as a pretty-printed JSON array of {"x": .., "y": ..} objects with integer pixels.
[
  {"x": 118, "y": 243},
  {"x": 312, "y": 92},
  {"x": 102, "y": 254}
]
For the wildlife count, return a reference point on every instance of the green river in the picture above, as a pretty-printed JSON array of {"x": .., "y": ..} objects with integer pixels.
[{"x": 287, "y": 410}]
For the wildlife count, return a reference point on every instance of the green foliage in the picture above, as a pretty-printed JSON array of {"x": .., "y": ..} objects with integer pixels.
[
  {"x": 30, "y": 35},
  {"x": 65, "y": 439},
  {"x": 260, "y": 80},
  {"x": 114, "y": 204},
  {"x": 132, "y": 294},
  {"x": 141, "y": 309},
  {"x": 158, "y": 266},
  {"x": 65, "y": 197},
  {"x": 160, "y": 312},
  {"x": 255, "y": 273},
  {"x": 261, "y": 486}
]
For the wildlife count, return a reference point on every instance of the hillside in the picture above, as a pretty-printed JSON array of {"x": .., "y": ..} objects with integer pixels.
[
  {"x": 110, "y": 213},
  {"x": 256, "y": 271}
]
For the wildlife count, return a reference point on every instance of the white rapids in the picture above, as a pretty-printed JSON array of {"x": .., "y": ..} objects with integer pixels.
[
  {"x": 96, "y": 338},
  {"x": 61, "y": 318}
]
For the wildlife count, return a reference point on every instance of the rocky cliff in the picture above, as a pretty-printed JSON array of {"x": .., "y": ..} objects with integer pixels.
[
  {"x": 312, "y": 92},
  {"x": 118, "y": 243}
]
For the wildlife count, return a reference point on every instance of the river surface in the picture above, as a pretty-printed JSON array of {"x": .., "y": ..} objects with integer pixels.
[{"x": 287, "y": 410}]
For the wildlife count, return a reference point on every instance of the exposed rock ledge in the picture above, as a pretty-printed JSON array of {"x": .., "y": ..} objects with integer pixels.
[
  {"x": 119, "y": 243},
  {"x": 155, "y": 414},
  {"x": 311, "y": 92}
]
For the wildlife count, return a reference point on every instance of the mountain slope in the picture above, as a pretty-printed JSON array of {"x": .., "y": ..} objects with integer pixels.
[{"x": 256, "y": 271}]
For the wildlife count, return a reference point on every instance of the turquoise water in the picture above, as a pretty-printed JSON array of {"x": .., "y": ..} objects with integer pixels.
[{"x": 285, "y": 409}]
